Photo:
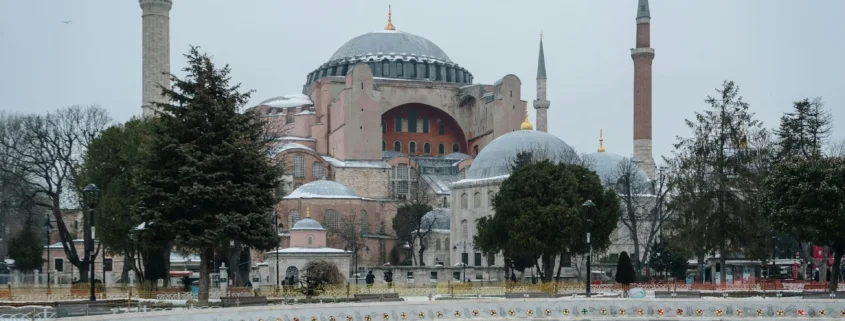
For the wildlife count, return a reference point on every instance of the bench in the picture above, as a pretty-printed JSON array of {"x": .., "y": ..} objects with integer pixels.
[
  {"x": 677, "y": 295},
  {"x": 528, "y": 295},
  {"x": 237, "y": 301},
  {"x": 822, "y": 295},
  {"x": 378, "y": 297},
  {"x": 82, "y": 308},
  {"x": 816, "y": 287}
]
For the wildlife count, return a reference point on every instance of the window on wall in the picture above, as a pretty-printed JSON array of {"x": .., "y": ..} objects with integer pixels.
[
  {"x": 456, "y": 148},
  {"x": 476, "y": 200},
  {"x": 298, "y": 166},
  {"x": 385, "y": 69},
  {"x": 397, "y": 146},
  {"x": 293, "y": 217},
  {"x": 397, "y": 124},
  {"x": 317, "y": 170},
  {"x": 413, "y": 70},
  {"x": 310, "y": 239},
  {"x": 425, "y": 125},
  {"x": 464, "y": 201},
  {"x": 383, "y": 145},
  {"x": 383, "y": 127},
  {"x": 412, "y": 122},
  {"x": 331, "y": 219},
  {"x": 365, "y": 223},
  {"x": 491, "y": 259},
  {"x": 412, "y": 147},
  {"x": 437, "y": 245},
  {"x": 490, "y": 197},
  {"x": 399, "y": 68},
  {"x": 465, "y": 258},
  {"x": 464, "y": 229},
  {"x": 401, "y": 181},
  {"x": 441, "y": 129},
  {"x": 441, "y": 149},
  {"x": 59, "y": 265},
  {"x": 446, "y": 244},
  {"x": 477, "y": 259},
  {"x": 427, "y": 148}
]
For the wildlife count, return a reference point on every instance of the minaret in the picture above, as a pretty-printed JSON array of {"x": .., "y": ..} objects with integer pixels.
[
  {"x": 643, "y": 55},
  {"x": 156, "y": 52},
  {"x": 541, "y": 104}
]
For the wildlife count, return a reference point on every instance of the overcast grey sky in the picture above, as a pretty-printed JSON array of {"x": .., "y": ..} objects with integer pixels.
[{"x": 777, "y": 51}]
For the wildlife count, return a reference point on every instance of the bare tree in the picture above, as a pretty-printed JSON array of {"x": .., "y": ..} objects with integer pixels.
[
  {"x": 836, "y": 148},
  {"x": 43, "y": 152},
  {"x": 351, "y": 232}
]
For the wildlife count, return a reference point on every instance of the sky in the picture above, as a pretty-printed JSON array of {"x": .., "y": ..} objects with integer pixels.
[{"x": 777, "y": 51}]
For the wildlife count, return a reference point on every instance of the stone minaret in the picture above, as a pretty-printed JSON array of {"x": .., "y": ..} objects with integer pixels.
[
  {"x": 541, "y": 104},
  {"x": 156, "y": 52},
  {"x": 643, "y": 55}
]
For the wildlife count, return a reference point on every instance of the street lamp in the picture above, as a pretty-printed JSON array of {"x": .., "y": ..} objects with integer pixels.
[
  {"x": 91, "y": 196},
  {"x": 48, "y": 229},
  {"x": 588, "y": 206},
  {"x": 772, "y": 270},
  {"x": 276, "y": 221}
]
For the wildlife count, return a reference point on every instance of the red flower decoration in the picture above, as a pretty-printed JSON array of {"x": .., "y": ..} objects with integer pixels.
[
  {"x": 802, "y": 312},
  {"x": 680, "y": 312},
  {"x": 659, "y": 311}
]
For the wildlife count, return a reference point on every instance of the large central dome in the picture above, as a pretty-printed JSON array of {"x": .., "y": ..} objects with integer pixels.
[
  {"x": 390, "y": 42},
  {"x": 498, "y": 156}
]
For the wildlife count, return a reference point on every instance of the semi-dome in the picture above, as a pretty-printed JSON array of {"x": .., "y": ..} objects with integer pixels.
[
  {"x": 323, "y": 189},
  {"x": 307, "y": 224},
  {"x": 439, "y": 218},
  {"x": 496, "y": 159},
  {"x": 389, "y": 42}
]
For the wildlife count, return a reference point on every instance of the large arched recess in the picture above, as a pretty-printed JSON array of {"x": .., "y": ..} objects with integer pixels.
[{"x": 451, "y": 134}]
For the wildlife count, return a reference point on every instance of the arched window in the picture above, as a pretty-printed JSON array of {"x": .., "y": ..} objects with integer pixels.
[
  {"x": 441, "y": 149},
  {"x": 446, "y": 243},
  {"x": 397, "y": 146},
  {"x": 365, "y": 223},
  {"x": 385, "y": 69},
  {"x": 456, "y": 148},
  {"x": 441, "y": 130},
  {"x": 427, "y": 148},
  {"x": 383, "y": 127},
  {"x": 310, "y": 240},
  {"x": 317, "y": 170},
  {"x": 399, "y": 68},
  {"x": 464, "y": 229},
  {"x": 293, "y": 217},
  {"x": 412, "y": 147},
  {"x": 490, "y": 197},
  {"x": 331, "y": 219},
  {"x": 464, "y": 201},
  {"x": 437, "y": 245},
  {"x": 383, "y": 145},
  {"x": 298, "y": 166},
  {"x": 292, "y": 274},
  {"x": 476, "y": 200}
]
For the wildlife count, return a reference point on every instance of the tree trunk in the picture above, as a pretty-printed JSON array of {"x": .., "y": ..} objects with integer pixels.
[
  {"x": 560, "y": 265},
  {"x": 83, "y": 271},
  {"x": 127, "y": 265},
  {"x": 548, "y": 267},
  {"x": 700, "y": 259},
  {"x": 834, "y": 273},
  {"x": 205, "y": 278},
  {"x": 422, "y": 257}
]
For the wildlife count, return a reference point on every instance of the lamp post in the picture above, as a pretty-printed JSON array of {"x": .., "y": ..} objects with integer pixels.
[
  {"x": 91, "y": 196},
  {"x": 48, "y": 229},
  {"x": 276, "y": 221},
  {"x": 588, "y": 206},
  {"x": 772, "y": 270}
]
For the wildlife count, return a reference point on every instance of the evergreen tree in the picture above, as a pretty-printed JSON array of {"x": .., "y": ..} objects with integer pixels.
[
  {"x": 26, "y": 248},
  {"x": 539, "y": 213},
  {"x": 210, "y": 181},
  {"x": 803, "y": 131},
  {"x": 625, "y": 273}
]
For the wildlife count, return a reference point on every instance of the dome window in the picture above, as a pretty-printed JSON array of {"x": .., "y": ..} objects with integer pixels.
[
  {"x": 385, "y": 69},
  {"x": 399, "y": 68},
  {"x": 441, "y": 149},
  {"x": 412, "y": 147},
  {"x": 397, "y": 146},
  {"x": 456, "y": 148},
  {"x": 427, "y": 148}
]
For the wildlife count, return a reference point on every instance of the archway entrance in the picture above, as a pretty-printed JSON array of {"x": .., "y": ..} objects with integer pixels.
[{"x": 419, "y": 129}]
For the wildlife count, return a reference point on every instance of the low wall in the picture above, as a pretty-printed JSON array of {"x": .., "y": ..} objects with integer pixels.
[{"x": 533, "y": 309}]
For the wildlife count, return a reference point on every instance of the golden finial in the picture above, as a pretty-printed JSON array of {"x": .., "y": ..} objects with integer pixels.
[
  {"x": 389, "y": 25},
  {"x": 307, "y": 212},
  {"x": 601, "y": 141},
  {"x": 526, "y": 124},
  {"x": 541, "y": 35}
]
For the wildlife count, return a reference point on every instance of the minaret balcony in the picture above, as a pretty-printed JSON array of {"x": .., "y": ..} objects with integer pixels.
[{"x": 541, "y": 104}]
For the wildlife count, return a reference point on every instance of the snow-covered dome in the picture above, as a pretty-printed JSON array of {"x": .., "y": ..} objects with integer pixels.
[
  {"x": 307, "y": 224},
  {"x": 323, "y": 189},
  {"x": 496, "y": 159},
  {"x": 389, "y": 41},
  {"x": 439, "y": 218},
  {"x": 607, "y": 166}
]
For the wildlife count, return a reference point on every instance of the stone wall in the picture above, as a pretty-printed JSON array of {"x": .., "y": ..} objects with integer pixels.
[{"x": 366, "y": 182}]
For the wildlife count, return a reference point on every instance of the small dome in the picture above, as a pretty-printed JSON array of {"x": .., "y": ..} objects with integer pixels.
[
  {"x": 607, "y": 166},
  {"x": 439, "y": 218},
  {"x": 387, "y": 42},
  {"x": 307, "y": 224},
  {"x": 498, "y": 156},
  {"x": 323, "y": 189}
]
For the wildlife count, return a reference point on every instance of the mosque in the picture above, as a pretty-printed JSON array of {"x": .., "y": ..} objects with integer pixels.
[{"x": 390, "y": 118}]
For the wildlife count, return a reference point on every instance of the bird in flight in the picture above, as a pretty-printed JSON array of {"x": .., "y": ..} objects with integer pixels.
[{"x": 66, "y": 21}]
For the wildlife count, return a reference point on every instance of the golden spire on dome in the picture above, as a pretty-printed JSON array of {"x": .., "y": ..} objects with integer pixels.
[
  {"x": 601, "y": 141},
  {"x": 389, "y": 25},
  {"x": 541, "y": 35},
  {"x": 307, "y": 212},
  {"x": 526, "y": 124}
]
